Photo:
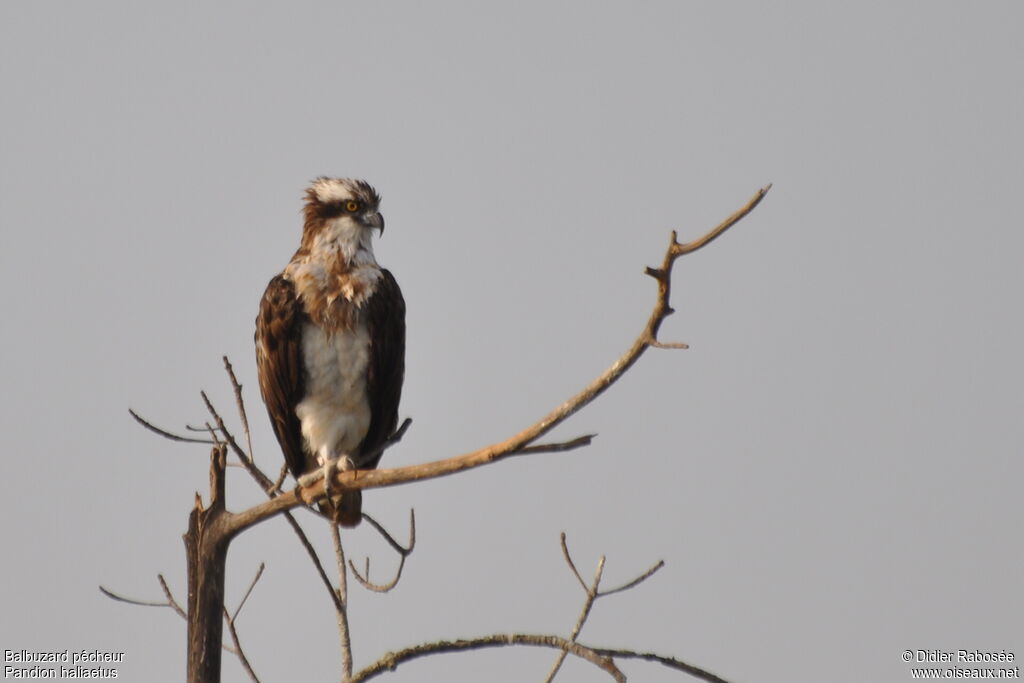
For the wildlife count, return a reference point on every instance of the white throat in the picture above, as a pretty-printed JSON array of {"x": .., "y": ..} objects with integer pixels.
[{"x": 345, "y": 235}]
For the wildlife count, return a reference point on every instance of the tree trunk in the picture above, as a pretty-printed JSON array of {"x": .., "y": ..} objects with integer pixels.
[{"x": 206, "y": 548}]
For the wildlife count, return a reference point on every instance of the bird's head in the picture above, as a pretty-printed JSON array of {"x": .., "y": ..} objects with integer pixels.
[{"x": 341, "y": 213}]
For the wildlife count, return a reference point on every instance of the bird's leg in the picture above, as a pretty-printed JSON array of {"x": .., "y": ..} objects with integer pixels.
[
  {"x": 330, "y": 466},
  {"x": 328, "y": 469}
]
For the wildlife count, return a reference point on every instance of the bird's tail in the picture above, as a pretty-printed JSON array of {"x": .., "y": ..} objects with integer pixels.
[{"x": 345, "y": 509}]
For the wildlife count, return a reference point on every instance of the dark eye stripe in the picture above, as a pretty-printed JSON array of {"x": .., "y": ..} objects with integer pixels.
[{"x": 332, "y": 209}]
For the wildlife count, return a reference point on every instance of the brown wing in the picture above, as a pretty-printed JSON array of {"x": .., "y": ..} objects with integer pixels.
[
  {"x": 279, "y": 365},
  {"x": 385, "y": 317}
]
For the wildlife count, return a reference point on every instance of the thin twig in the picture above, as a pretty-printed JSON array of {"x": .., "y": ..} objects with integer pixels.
[
  {"x": 259, "y": 573},
  {"x": 131, "y": 601},
  {"x": 572, "y": 565},
  {"x": 390, "y": 539},
  {"x": 243, "y": 457},
  {"x": 342, "y": 612},
  {"x": 670, "y": 662},
  {"x": 365, "y": 582},
  {"x": 389, "y": 442},
  {"x": 241, "y": 406},
  {"x": 170, "y": 596},
  {"x": 578, "y": 442},
  {"x": 635, "y": 582},
  {"x": 163, "y": 432},
  {"x": 276, "y": 488},
  {"x": 317, "y": 564},
  {"x": 238, "y": 646}
]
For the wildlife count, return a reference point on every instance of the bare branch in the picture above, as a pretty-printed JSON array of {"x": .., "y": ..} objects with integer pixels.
[
  {"x": 593, "y": 593},
  {"x": 635, "y": 582},
  {"x": 280, "y": 479},
  {"x": 213, "y": 434},
  {"x": 364, "y": 579},
  {"x": 365, "y": 582},
  {"x": 390, "y": 661},
  {"x": 169, "y": 602},
  {"x": 262, "y": 479},
  {"x": 238, "y": 652},
  {"x": 342, "y": 606},
  {"x": 391, "y": 541},
  {"x": 667, "y": 345},
  {"x": 163, "y": 432},
  {"x": 241, "y": 406},
  {"x": 578, "y": 442},
  {"x": 690, "y": 247},
  {"x": 259, "y": 573},
  {"x": 170, "y": 596},
  {"x": 572, "y": 565},
  {"x": 131, "y": 601},
  {"x": 390, "y": 441},
  {"x": 670, "y": 662},
  {"x": 315, "y": 559},
  {"x": 368, "y": 479}
]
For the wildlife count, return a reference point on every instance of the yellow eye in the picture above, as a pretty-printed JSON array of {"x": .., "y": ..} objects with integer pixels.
[{"x": 351, "y": 206}]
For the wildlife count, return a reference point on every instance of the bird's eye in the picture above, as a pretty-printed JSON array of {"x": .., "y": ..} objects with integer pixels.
[{"x": 351, "y": 206}]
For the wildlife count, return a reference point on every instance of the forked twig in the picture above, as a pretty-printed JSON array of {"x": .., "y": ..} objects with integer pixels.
[
  {"x": 593, "y": 593},
  {"x": 403, "y": 553}
]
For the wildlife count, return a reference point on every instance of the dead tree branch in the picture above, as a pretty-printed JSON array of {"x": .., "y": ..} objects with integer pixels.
[
  {"x": 670, "y": 662},
  {"x": 593, "y": 593},
  {"x": 604, "y": 658},
  {"x": 342, "y": 613},
  {"x": 364, "y": 580},
  {"x": 514, "y": 445},
  {"x": 169, "y": 602},
  {"x": 164, "y": 433},
  {"x": 391, "y": 661}
]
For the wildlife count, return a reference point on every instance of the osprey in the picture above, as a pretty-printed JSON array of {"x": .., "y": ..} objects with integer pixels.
[{"x": 330, "y": 341}]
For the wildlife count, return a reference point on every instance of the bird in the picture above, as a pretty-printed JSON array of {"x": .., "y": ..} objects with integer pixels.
[{"x": 330, "y": 343}]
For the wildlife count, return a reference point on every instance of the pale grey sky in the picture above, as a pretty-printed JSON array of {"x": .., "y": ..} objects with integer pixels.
[{"x": 832, "y": 472}]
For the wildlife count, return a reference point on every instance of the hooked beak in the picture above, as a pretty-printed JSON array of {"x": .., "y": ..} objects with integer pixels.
[{"x": 374, "y": 220}]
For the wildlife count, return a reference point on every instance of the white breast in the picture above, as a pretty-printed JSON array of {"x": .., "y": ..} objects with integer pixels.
[{"x": 335, "y": 414}]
